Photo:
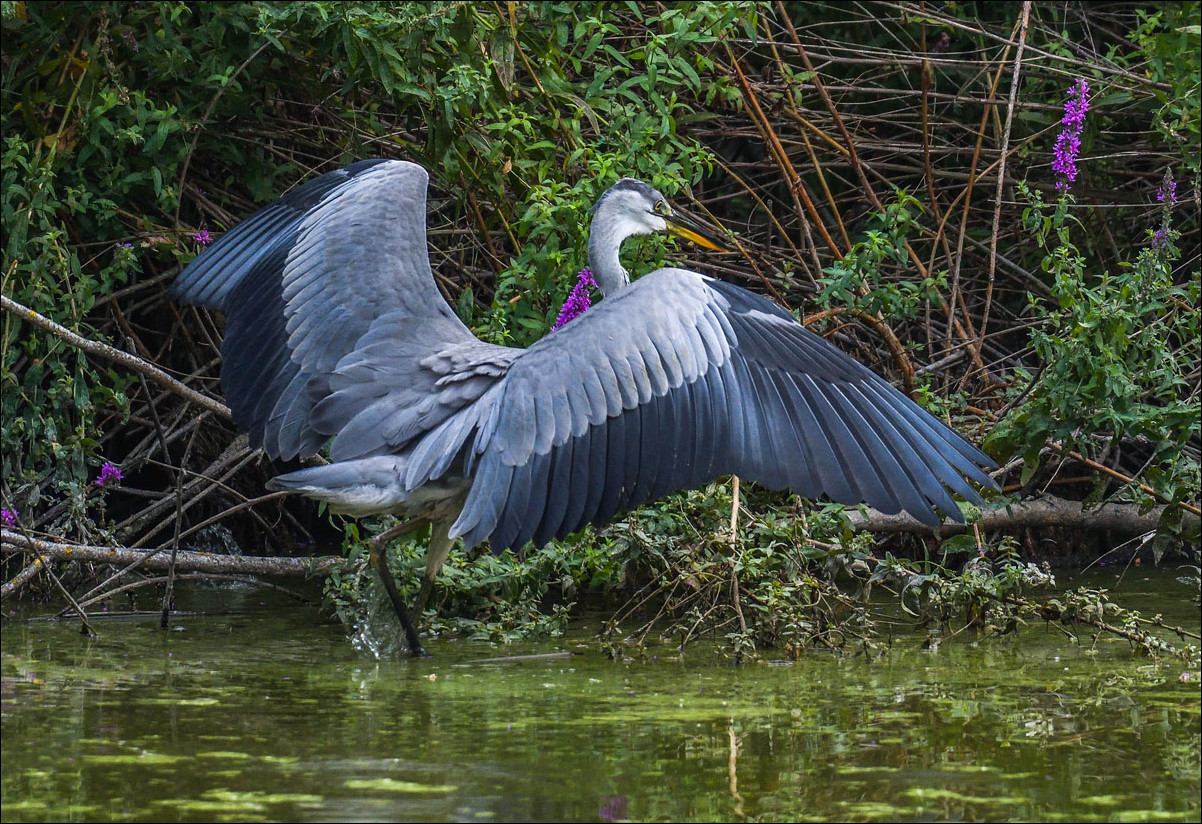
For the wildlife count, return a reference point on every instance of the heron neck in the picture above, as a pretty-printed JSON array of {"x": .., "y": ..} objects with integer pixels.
[{"x": 604, "y": 244}]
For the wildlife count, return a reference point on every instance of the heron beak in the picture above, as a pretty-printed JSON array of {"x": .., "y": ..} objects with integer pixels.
[{"x": 691, "y": 230}]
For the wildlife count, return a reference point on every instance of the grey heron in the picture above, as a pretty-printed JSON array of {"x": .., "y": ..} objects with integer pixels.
[{"x": 337, "y": 334}]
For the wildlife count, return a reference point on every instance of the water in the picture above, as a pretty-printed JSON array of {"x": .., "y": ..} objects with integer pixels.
[{"x": 269, "y": 714}]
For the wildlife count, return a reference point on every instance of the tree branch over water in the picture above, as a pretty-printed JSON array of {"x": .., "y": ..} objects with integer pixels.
[
  {"x": 1047, "y": 511},
  {"x": 161, "y": 559}
]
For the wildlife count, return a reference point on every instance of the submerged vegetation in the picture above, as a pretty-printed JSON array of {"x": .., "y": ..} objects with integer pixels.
[{"x": 995, "y": 205}]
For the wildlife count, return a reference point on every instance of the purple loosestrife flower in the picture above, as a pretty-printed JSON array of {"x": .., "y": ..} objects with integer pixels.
[
  {"x": 1077, "y": 105},
  {"x": 9, "y": 517},
  {"x": 108, "y": 472},
  {"x": 1068, "y": 144},
  {"x": 202, "y": 237},
  {"x": 579, "y": 301},
  {"x": 1167, "y": 193}
]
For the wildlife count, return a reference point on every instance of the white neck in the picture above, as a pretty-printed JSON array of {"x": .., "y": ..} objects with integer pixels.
[{"x": 604, "y": 244}]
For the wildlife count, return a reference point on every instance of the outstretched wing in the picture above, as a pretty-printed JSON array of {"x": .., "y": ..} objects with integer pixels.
[
  {"x": 310, "y": 281},
  {"x": 679, "y": 379}
]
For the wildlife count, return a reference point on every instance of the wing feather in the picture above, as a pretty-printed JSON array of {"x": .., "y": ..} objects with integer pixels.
[
  {"x": 338, "y": 264},
  {"x": 698, "y": 378}
]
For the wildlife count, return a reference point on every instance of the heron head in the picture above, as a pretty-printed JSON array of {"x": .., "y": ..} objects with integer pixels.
[{"x": 631, "y": 207}]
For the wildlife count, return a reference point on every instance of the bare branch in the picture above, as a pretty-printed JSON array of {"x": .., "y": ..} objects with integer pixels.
[{"x": 116, "y": 355}]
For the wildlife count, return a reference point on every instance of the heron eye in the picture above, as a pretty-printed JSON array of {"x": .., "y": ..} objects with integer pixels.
[{"x": 660, "y": 207}]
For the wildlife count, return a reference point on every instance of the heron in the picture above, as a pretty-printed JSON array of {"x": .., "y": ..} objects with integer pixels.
[{"x": 337, "y": 336}]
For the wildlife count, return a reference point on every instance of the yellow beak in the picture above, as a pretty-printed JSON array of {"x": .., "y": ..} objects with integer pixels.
[{"x": 691, "y": 230}]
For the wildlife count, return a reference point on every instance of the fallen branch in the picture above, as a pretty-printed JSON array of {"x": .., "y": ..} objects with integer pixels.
[
  {"x": 27, "y": 574},
  {"x": 161, "y": 560},
  {"x": 1048, "y": 511}
]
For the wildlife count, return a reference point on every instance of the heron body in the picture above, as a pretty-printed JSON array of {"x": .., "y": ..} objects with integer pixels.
[{"x": 337, "y": 334}]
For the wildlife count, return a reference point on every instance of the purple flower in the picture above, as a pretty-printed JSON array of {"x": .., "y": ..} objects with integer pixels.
[
  {"x": 9, "y": 517},
  {"x": 1162, "y": 238},
  {"x": 130, "y": 39},
  {"x": 614, "y": 808},
  {"x": 1167, "y": 193},
  {"x": 579, "y": 301},
  {"x": 1068, "y": 143},
  {"x": 202, "y": 237},
  {"x": 108, "y": 472},
  {"x": 1077, "y": 105}
]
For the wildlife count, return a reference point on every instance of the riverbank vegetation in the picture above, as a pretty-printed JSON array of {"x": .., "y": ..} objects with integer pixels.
[{"x": 994, "y": 205}]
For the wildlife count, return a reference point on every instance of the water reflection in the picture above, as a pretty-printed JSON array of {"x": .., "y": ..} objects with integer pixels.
[{"x": 270, "y": 715}]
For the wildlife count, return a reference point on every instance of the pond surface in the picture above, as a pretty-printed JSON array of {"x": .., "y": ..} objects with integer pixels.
[{"x": 270, "y": 714}]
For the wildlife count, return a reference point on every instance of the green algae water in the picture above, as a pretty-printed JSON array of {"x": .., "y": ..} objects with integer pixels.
[{"x": 267, "y": 713}]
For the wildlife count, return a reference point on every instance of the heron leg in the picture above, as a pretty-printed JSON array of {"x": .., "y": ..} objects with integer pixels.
[
  {"x": 436, "y": 556},
  {"x": 380, "y": 561}
]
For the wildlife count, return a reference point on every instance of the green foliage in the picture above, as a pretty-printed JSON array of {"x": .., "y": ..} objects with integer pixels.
[
  {"x": 977, "y": 593},
  {"x": 860, "y": 280},
  {"x": 499, "y": 598},
  {"x": 1117, "y": 351},
  {"x": 50, "y": 395},
  {"x": 90, "y": 167},
  {"x": 681, "y": 546},
  {"x": 1170, "y": 39}
]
